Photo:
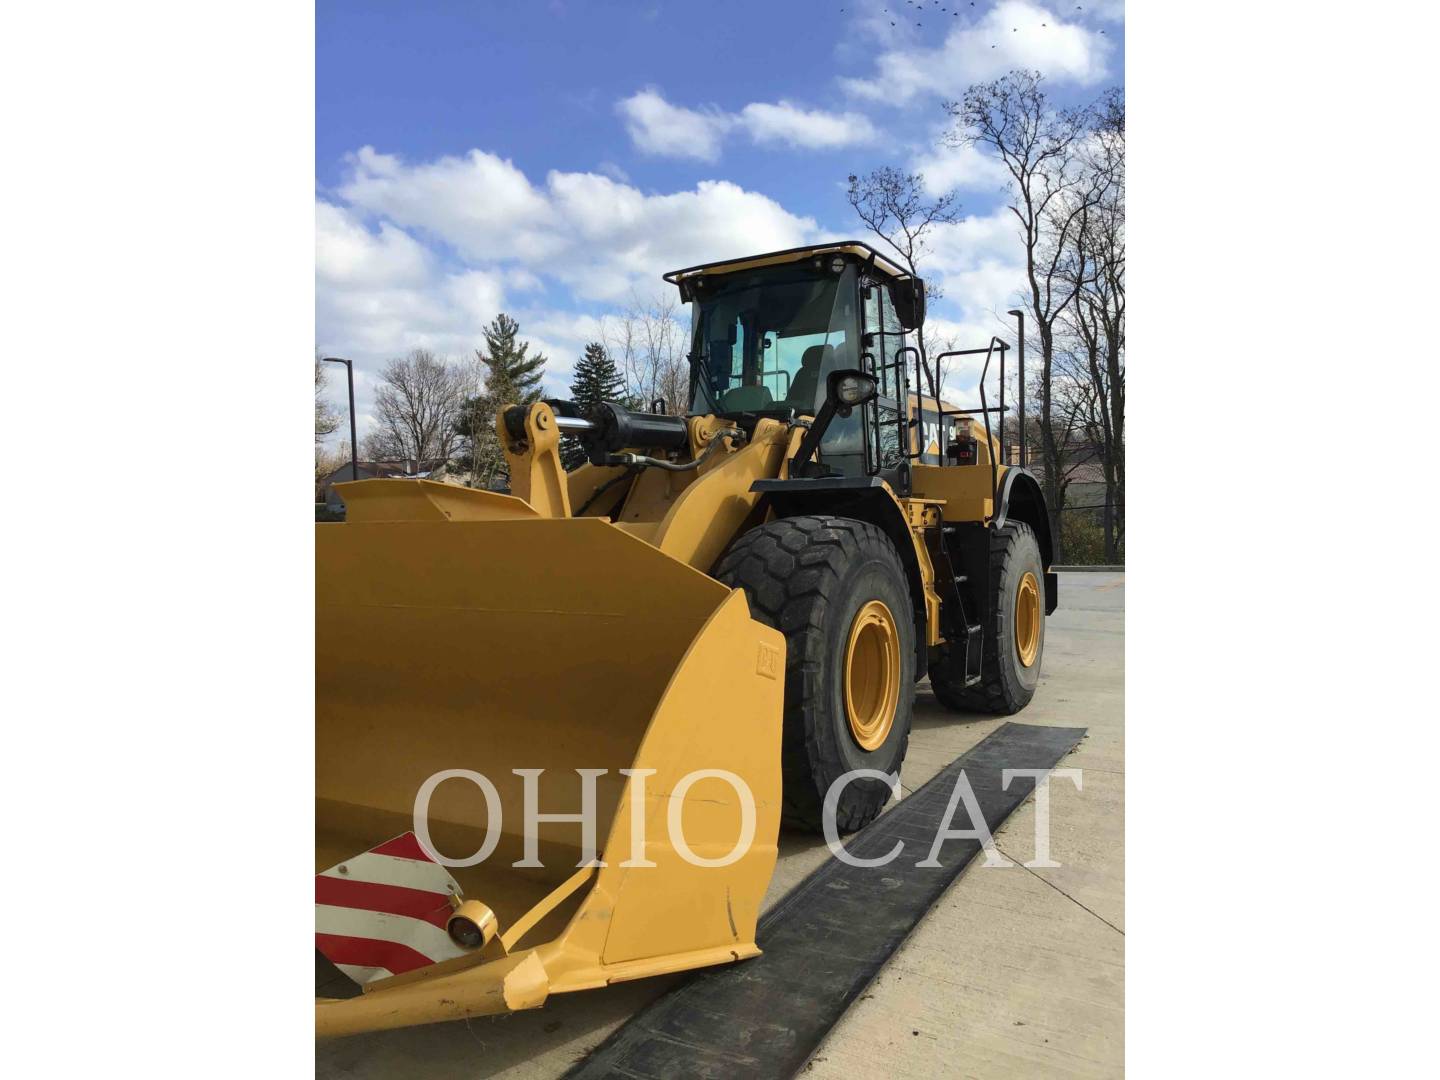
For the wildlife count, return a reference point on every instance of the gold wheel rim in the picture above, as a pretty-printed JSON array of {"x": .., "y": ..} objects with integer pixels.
[
  {"x": 1027, "y": 619},
  {"x": 872, "y": 675}
]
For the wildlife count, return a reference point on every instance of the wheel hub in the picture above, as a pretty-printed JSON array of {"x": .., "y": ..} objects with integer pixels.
[
  {"x": 872, "y": 675},
  {"x": 1027, "y": 619}
]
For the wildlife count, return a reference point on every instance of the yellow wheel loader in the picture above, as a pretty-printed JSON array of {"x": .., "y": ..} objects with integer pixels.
[{"x": 558, "y": 729}]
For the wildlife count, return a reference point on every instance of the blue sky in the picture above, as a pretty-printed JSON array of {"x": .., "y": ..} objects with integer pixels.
[{"x": 553, "y": 159}]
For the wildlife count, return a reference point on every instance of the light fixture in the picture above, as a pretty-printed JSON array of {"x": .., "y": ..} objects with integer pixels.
[
  {"x": 472, "y": 925},
  {"x": 837, "y": 264},
  {"x": 854, "y": 389}
]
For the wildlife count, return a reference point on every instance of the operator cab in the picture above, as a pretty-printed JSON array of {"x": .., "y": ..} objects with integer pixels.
[{"x": 767, "y": 330}]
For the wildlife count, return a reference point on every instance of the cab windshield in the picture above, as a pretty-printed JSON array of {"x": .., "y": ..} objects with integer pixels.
[{"x": 764, "y": 340}]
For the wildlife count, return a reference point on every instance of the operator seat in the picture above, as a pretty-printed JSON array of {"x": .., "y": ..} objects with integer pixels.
[{"x": 806, "y": 384}]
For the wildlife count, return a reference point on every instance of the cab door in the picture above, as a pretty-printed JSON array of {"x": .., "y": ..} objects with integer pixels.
[{"x": 884, "y": 340}]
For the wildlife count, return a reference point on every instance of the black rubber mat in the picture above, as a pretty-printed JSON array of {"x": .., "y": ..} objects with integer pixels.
[{"x": 829, "y": 937}]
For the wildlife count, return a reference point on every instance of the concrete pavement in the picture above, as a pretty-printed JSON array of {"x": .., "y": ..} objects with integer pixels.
[{"x": 1016, "y": 972}]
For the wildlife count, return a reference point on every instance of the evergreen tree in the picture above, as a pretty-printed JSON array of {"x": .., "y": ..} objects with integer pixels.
[
  {"x": 596, "y": 379},
  {"x": 511, "y": 369},
  {"x": 512, "y": 377}
]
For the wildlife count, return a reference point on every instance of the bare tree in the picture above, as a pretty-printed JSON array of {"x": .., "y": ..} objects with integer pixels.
[
  {"x": 476, "y": 443},
  {"x": 327, "y": 417},
  {"x": 895, "y": 206},
  {"x": 1095, "y": 321},
  {"x": 327, "y": 420},
  {"x": 1039, "y": 145},
  {"x": 328, "y": 461},
  {"x": 649, "y": 344},
  {"x": 416, "y": 409}
]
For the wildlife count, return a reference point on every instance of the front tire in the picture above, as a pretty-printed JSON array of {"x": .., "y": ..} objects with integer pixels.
[
  {"x": 836, "y": 589},
  {"x": 1014, "y": 632}
]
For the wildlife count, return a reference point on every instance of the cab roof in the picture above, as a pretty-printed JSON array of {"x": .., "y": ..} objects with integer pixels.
[{"x": 857, "y": 248}]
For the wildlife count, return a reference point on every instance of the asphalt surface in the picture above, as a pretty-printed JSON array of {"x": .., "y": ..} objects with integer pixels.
[{"x": 1016, "y": 972}]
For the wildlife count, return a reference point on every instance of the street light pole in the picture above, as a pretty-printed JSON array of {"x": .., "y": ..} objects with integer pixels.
[
  {"x": 350, "y": 384},
  {"x": 1020, "y": 318}
]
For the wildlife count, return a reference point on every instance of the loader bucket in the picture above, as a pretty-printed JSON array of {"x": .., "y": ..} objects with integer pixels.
[{"x": 456, "y": 630}]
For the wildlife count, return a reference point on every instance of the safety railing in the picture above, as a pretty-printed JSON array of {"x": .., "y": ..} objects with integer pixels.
[{"x": 985, "y": 407}]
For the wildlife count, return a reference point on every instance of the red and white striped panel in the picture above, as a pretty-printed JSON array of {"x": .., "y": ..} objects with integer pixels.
[{"x": 383, "y": 913}]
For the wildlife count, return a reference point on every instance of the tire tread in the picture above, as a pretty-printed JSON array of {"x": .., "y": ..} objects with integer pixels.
[
  {"x": 993, "y": 693},
  {"x": 789, "y": 568}
]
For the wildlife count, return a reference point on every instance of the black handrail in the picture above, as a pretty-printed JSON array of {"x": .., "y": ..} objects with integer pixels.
[
  {"x": 920, "y": 391},
  {"x": 985, "y": 409}
]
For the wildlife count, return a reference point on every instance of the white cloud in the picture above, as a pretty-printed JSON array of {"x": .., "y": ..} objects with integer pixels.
[
  {"x": 811, "y": 129},
  {"x": 479, "y": 202},
  {"x": 346, "y": 252},
  {"x": 562, "y": 337},
  {"x": 1109, "y": 10},
  {"x": 596, "y": 235},
  {"x": 379, "y": 294},
  {"x": 615, "y": 172},
  {"x": 425, "y": 254},
  {"x": 657, "y": 127},
  {"x": 963, "y": 168},
  {"x": 518, "y": 279},
  {"x": 624, "y": 238},
  {"x": 1013, "y": 34},
  {"x": 979, "y": 263}
]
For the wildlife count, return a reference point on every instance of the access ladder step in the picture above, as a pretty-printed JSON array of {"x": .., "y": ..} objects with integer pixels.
[{"x": 974, "y": 650}]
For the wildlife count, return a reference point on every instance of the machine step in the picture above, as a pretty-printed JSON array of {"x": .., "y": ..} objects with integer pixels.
[{"x": 974, "y": 648}]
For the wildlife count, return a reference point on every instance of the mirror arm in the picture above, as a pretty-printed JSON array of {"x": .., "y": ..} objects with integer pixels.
[
  {"x": 832, "y": 407},
  {"x": 811, "y": 442}
]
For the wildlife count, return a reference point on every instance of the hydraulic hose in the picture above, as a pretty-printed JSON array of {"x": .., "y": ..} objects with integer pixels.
[
  {"x": 606, "y": 486},
  {"x": 640, "y": 461}
]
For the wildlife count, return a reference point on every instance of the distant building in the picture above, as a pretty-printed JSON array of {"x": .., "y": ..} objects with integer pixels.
[{"x": 1082, "y": 464}]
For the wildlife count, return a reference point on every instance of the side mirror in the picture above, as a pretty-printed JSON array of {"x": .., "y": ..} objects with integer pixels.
[{"x": 908, "y": 296}]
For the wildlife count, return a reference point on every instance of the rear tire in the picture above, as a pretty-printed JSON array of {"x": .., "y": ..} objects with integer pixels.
[
  {"x": 1006, "y": 683},
  {"x": 836, "y": 589}
]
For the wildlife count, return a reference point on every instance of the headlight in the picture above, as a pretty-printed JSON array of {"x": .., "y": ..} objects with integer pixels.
[
  {"x": 473, "y": 925},
  {"x": 852, "y": 390}
]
